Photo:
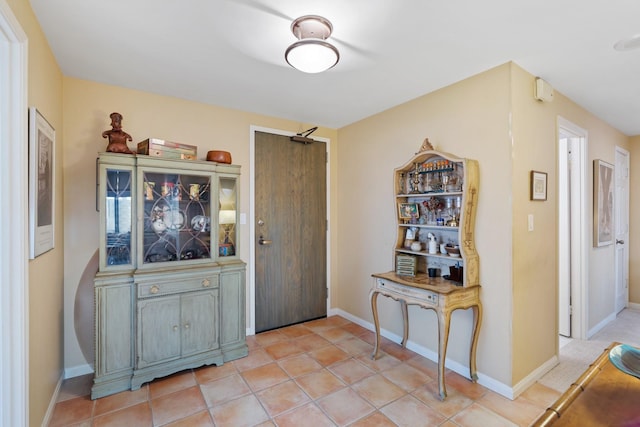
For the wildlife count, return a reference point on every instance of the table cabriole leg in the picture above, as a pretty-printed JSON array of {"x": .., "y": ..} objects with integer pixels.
[
  {"x": 477, "y": 321},
  {"x": 444, "y": 317},
  {"x": 374, "y": 309},
  {"x": 405, "y": 322}
]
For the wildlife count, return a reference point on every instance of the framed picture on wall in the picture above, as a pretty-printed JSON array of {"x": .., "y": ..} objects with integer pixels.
[
  {"x": 538, "y": 190},
  {"x": 602, "y": 203},
  {"x": 42, "y": 139}
]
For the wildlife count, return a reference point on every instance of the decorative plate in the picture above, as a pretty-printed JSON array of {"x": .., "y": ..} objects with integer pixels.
[
  {"x": 174, "y": 219},
  {"x": 626, "y": 358}
]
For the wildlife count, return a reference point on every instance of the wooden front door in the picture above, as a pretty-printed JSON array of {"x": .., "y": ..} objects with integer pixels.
[{"x": 290, "y": 231}]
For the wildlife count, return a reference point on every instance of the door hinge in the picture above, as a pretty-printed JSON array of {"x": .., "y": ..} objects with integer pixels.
[
  {"x": 326, "y": 157},
  {"x": 570, "y": 310}
]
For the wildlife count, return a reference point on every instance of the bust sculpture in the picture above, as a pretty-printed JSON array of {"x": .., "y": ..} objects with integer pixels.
[{"x": 117, "y": 137}]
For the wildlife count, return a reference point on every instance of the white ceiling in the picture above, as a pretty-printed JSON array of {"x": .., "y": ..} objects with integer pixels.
[{"x": 231, "y": 52}]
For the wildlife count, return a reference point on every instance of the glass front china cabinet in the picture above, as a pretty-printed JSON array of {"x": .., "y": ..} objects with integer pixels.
[{"x": 170, "y": 291}]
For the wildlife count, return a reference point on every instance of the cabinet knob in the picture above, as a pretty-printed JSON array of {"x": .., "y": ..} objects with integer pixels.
[
  {"x": 187, "y": 326},
  {"x": 175, "y": 327},
  {"x": 154, "y": 289},
  {"x": 206, "y": 283}
]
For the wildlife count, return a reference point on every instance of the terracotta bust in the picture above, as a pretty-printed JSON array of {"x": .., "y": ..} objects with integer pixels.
[{"x": 117, "y": 137}]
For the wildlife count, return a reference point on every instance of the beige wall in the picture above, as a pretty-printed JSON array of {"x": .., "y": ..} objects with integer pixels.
[
  {"x": 634, "y": 226},
  {"x": 87, "y": 106},
  {"x": 45, "y": 272},
  {"x": 469, "y": 119},
  {"x": 534, "y": 253}
]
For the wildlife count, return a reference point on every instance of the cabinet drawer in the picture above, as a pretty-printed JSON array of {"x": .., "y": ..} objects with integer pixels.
[{"x": 158, "y": 288}]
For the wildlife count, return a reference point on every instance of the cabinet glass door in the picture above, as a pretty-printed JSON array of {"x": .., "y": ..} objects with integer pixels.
[
  {"x": 227, "y": 216},
  {"x": 177, "y": 217},
  {"x": 118, "y": 216}
]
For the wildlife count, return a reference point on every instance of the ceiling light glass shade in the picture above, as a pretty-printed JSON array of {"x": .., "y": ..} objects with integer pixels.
[{"x": 312, "y": 55}]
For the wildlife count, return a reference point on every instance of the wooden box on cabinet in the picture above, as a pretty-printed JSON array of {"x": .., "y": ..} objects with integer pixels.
[{"x": 166, "y": 299}]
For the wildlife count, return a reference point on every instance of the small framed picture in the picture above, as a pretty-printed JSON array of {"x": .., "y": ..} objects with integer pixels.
[
  {"x": 42, "y": 139},
  {"x": 408, "y": 210},
  {"x": 603, "y": 190},
  {"x": 538, "y": 185}
]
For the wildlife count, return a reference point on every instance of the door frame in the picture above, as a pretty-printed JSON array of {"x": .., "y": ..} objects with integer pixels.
[
  {"x": 14, "y": 246},
  {"x": 251, "y": 326},
  {"x": 616, "y": 197},
  {"x": 580, "y": 242}
]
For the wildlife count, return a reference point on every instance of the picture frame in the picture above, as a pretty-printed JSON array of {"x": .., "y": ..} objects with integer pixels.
[
  {"x": 603, "y": 190},
  {"x": 42, "y": 138},
  {"x": 408, "y": 210},
  {"x": 538, "y": 183}
]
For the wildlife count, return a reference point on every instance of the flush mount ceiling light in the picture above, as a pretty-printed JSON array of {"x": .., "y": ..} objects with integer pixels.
[{"x": 312, "y": 53}]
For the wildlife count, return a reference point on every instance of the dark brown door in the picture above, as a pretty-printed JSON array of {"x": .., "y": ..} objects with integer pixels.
[{"x": 290, "y": 215}]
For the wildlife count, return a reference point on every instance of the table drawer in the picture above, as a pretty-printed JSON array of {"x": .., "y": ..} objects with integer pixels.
[
  {"x": 157, "y": 288},
  {"x": 423, "y": 295}
]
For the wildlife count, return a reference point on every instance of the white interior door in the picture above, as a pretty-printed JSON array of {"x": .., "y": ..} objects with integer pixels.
[
  {"x": 573, "y": 229},
  {"x": 621, "y": 215},
  {"x": 564, "y": 238}
]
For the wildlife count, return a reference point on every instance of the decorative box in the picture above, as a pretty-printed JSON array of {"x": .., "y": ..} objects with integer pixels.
[{"x": 167, "y": 149}]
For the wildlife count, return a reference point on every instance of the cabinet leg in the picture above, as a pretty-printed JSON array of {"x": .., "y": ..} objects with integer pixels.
[
  {"x": 405, "y": 323},
  {"x": 374, "y": 310},
  {"x": 477, "y": 321},
  {"x": 444, "y": 319}
]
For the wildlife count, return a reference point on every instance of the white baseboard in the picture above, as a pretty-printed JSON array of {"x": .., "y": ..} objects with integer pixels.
[
  {"x": 634, "y": 306},
  {"x": 483, "y": 380},
  {"x": 610, "y": 318},
  {"x": 534, "y": 376},
  {"x": 52, "y": 403},
  {"x": 76, "y": 371}
]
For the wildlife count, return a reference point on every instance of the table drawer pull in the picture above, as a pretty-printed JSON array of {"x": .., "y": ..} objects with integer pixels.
[
  {"x": 206, "y": 283},
  {"x": 154, "y": 289}
]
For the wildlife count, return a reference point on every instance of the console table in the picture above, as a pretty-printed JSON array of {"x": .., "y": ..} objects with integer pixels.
[{"x": 433, "y": 293}]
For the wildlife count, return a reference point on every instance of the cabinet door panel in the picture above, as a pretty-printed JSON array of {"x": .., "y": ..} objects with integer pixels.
[
  {"x": 158, "y": 330},
  {"x": 114, "y": 317},
  {"x": 232, "y": 307},
  {"x": 199, "y": 322}
]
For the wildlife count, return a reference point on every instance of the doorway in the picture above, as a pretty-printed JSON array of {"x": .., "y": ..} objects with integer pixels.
[
  {"x": 14, "y": 274},
  {"x": 572, "y": 230},
  {"x": 289, "y": 230},
  {"x": 621, "y": 208}
]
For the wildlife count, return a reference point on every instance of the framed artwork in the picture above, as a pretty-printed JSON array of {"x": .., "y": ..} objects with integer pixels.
[
  {"x": 602, "y": 203},
  {"x": 538, "y": 184},
  {"x": 42, "y": 139},
  {"x": 408, "y": 210}
]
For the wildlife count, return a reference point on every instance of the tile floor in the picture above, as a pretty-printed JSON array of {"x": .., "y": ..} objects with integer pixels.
[{"x": 317, "y": 373}]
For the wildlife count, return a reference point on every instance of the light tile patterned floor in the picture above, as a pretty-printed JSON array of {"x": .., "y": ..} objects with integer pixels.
[{"x": 315, "y": 374}]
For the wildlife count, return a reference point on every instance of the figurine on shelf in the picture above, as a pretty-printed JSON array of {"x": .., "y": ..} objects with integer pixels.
[{"x": 117, "y": 137}]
